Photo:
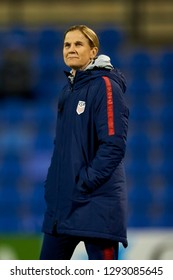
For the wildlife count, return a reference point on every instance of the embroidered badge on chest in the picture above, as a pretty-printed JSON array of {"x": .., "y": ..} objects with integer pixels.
[{"x": 80, "y": 107}]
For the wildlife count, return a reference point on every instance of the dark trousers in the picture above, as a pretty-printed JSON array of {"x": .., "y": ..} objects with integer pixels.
[{"x": 61, "y": 247}]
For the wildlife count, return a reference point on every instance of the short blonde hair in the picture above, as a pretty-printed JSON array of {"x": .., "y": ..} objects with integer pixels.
[{"x": 87, "y": 32}]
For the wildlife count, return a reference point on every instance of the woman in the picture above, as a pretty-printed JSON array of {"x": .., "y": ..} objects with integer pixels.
[{"x": 85, "y": 189}]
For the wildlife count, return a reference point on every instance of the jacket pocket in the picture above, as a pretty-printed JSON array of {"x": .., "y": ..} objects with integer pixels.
[{"x": 81, "y": 192}]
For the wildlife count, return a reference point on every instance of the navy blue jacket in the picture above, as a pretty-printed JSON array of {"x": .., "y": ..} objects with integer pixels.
[{"x": 85, "y": 189}]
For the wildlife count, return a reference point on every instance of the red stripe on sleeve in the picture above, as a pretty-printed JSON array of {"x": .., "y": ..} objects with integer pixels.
[
  {"x": 108, "y": 253},
  {"x": 110, "y": 110}
]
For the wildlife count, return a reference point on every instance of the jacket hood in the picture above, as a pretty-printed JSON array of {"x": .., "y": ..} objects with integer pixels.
[
  {"x": 101, "y": 66},
  {"x": 102, "y": 61}
]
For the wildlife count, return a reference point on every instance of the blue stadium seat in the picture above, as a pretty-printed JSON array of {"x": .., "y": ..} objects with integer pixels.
[
  {"x": 47, "y": 66},
  {"x": 15, "y": 36},
  {"x": 110, "y": 40},
  {"x": 166, "y": 169},
  {"x": 11, "y": 167},
  {"x": 140, "y": 63},
  {"x": 140, "y": 114},
  {"x": 12, "y": 111},
  {"x": 139, "y": 91},
  {"x": 43, "y": 141},
  {"x": 166, "y": 63},
  {"x": 9, "y": 224},
  {"x": 139, "y": 145},
  {"x": 47, "y": 90},
  {"x": 166, "y": 145},
  {"x": 43, "y": 116},
  {"x": 139, "y": 171},
  {"x": 166, "y": 90},
  {"x": 166, "y": 119},
  {"x": 50, "y": 40},
  {"x": 161, "y": 216},
  {"x": 140, "y": 195},
  {"x": 9, "y": 201},
  {"x": 138, "y": 217}
]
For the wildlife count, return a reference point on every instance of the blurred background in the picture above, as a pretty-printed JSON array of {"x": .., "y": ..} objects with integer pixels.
[{"x": 137, "y": 35}]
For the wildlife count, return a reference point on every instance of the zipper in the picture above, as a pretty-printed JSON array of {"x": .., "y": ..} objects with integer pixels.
[{"x": 59, "y": 167}]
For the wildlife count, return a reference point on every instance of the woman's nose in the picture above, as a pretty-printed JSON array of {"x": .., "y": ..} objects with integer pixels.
[{"x": 72, "y": 48}]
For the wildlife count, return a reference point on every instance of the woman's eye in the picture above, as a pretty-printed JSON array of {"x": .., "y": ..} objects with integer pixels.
[
  {"x": 78, "y": 44},
  {"x": 66, "y": 45}
]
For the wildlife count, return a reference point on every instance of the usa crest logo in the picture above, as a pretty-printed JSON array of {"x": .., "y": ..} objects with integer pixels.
[{"x": 80, "y": 107}]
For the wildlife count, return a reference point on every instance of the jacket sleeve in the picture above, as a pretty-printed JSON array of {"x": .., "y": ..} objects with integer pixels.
[{"x": 111, "y": 121}]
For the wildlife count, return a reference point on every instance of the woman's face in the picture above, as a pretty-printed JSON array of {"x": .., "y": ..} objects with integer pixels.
[{"x": 77, "y": 52}]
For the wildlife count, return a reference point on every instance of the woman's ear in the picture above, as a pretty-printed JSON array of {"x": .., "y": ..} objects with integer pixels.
[{"x": 94, "y": 52}]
